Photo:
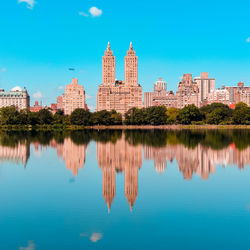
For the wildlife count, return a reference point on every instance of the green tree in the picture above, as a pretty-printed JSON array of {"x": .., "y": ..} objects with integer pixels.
[
  {"x": 103, "y": 117},
  {"x": 156, "y": 115},
  {"x": 58, "y": 117},
  {"x": 172, "y": 114},
  {"x": 9, "y": 115},
  {"x": 241, "y": 114},
  {"x": 44, "y": 117},
  {"x": 189, "y": 114},
  {"x": 130, "y": 116},
  {"x": 33, "y": 118},
  {"x": 216, "y": 113},
  {"x": 116, "y": 118},
  {"x": 23, "y": 117},
  {"x": 80, "y": 117}
]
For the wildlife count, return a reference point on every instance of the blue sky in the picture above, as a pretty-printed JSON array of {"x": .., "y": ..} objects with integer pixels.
[{"x": 41, "y": 39}]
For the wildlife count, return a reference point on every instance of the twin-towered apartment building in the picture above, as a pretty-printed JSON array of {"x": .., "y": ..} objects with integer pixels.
[{"x": 117, "y": 94}]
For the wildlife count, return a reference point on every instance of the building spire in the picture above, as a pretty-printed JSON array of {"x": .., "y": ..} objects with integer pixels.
[
  {"x": 131, "y": 46},
  {"x": 108, "y": 48}
]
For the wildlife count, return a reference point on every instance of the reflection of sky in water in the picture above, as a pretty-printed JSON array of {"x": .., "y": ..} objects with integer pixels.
[{"x": 183, "y": 198}]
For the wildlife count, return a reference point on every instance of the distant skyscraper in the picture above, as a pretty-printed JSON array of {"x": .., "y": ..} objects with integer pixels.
[
  {"x": 206, "y": 85},
  {"x": 59, "y": 102},
  {"x": 119, "y": 95},
  {"x": 187, "y": 92},
  {"x": 219, "y": 95},
  {"x": 108, "y": 67},
  {"x": 160, "y": 96},
  {"x": 239, "y": 93},
  {"x": 74, "y": 97},
  {"x": 148, "y": 99},
  {"x": 160, "y": 87},
  {"x": 131, "y": 67}
]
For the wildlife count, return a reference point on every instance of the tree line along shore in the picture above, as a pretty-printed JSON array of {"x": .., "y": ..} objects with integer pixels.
[{"x": 190, "y": 116}]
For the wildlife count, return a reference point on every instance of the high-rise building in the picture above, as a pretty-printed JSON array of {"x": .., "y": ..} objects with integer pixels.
[
  {"x": 108, "y": 67},
  {"x": 59, "y": 103},
  {"x": 160, "y": 96},
  {"x": 219, "y": 95},
  {"x": 206, "y": 85},
  {"x": 187, "y": 92},
  {"x": 239, "y": 93},
  {"x": 74, "y": 97},
  {"x": 118, "y": 95},
  {"x": 160, "y": 87},
  {"x": 15, "y": 97},
  {"x": 148, "y": 99},
  {"x": 131, "y": 67}
]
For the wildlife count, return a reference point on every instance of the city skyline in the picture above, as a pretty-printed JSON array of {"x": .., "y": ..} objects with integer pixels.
[{"x": 44, "y": 43}]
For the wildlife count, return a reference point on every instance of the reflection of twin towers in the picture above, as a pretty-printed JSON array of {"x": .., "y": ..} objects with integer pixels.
[
  {"x": 122, "y": 156},
  {"x": 118, "y": 157}
]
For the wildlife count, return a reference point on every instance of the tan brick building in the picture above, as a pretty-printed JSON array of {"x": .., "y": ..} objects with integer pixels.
[
  {"x": 73, "y": 98},
  {"x": 119, "y": 95},
  {"x": 187, "y": 92}
]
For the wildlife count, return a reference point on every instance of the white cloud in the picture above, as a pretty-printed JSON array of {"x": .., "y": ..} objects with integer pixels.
[
  {"x": 61, "y": 87},
  {"x": 91, "y": 108},
  {"x": 89, "y": 97},
  {"x": 81, "y": 13},
  {"x": 248, "y": 40},
  {"x": 30, "y": 3},
  {"x": 95, "y": 237},
  {"x": 38, "y": 95},
  {"x": 95, "y": 12},
  {"x": 3, "y": 70},
  {"x": 31, "y": 246}
]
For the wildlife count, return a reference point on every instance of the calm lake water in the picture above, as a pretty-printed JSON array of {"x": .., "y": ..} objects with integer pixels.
[{"x": 125, "y": 190}]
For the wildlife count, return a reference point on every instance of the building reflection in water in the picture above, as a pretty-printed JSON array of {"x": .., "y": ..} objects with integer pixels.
[
  {"x": 18, "y": 153},
  {"x": 200, "y": 160},
  {"x": 122, "y": 156},
  {"x": 119, "y": 157},
  {"x": 72, "y": 154}
]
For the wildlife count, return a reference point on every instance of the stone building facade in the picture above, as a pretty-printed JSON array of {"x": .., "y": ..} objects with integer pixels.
[
  {"x": 15, "y": 97},
  {"x": 187, "y": 93},
  {"x": 37, "y": 107},
  {"x": 206, "y": 85},
  {"x": 73, "y": 98},
  {"x": 239, "y": 93},
  {"x": 219, "y": 95},
  {"x": 59, "y": 103},
  {"x": 119, "y": 95},
  {"x": 160, "y": 96}
]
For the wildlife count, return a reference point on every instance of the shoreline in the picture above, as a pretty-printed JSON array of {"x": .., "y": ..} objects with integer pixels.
[
  {"x": 168, "y": 127},
  {"x": 119, "y": 127}
]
